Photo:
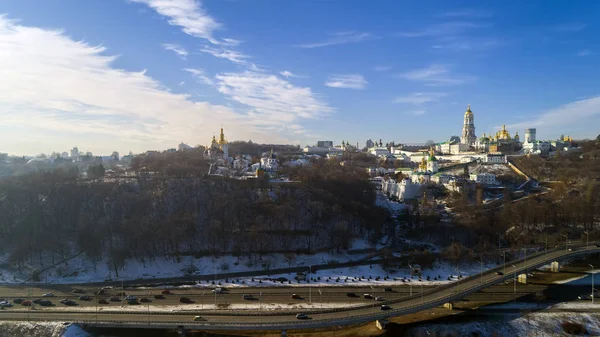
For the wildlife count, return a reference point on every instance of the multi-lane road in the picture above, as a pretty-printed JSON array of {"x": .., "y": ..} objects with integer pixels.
[{"x": 367, "y": 310}]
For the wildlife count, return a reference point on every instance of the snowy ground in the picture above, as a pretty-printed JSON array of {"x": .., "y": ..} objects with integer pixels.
[
  {"x": 581, "y": 280},
  {"x": 41, "y": 329},
  {"x": 530, "y": 325}
]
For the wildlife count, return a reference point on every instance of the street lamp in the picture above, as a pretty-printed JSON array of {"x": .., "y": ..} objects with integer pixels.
[
  {"x": 504, "y": 265},
  {"x": 515, "y": 282},
  {"x": 215, "y": 290},
  {"x": 592, "y": 282},
  {"x": 566, "y": 236},
  {"x": 457, "y": 278},
  {"x": 481, "y": 270},
  {"x": 587, "y": 239},
  {"x": 309, "y": 285},
  {"x": 525, "y": 250},
  {"x": 321, "y": 299}
]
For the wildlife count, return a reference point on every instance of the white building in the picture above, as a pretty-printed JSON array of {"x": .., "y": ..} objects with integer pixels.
[
  {"x": 536, "y": 147},
  {"x": 495, "y": 158},
  {"x": 402, "y": 190},
  {"x": 269, "y": 162},
  {"x": 75, "y": 153},
  {"x": 441, "y": 178},
  {"x": 458, "y": 148},
  {"x": 420, "y": 177},
  {"x": 240, "y": 163},
  {"x": 379, "y": 151},
  {"x": 483, "y": 178},
  {"x": 183, "y": 146}
]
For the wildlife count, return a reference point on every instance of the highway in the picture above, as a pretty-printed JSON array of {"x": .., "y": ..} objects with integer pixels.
[{"x": 401, "y": 304}]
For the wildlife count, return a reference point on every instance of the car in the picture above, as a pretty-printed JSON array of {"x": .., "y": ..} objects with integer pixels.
[
  {"x": 159, "y": 297},
  {"x": 397, "y": 254},
  {"x": 107, "y": 288},
  {"x": 26, "y": 303},
  {"x": 4, "y": 304},
  {"x": 77, "y": 291},
  {"x": 281, "y": 279},
  {"x": 379, "y": 298},
  {"x": 130, "y": 298},
  {"x": 145, "y": 300},
  {"x": 301, "y": 316},
  {"x": 296, "y": 297},
  {"x": 166, "y": 292},
  {"x": 48, "y": 295},
  {"x": 18, "y": 301},
  {"x": 388, "y": 289},
  {"x": 248, "y": 297},
  {"x": 585, "y": 297},
  {"x": 198, "y": 318},
  {"x": 133, "y": 301},
  {"x": 102, "y": 301},
  {"x": 351, "y": 295},
  {"x": 570, "y": 249},
  {"x": 499, "y": 273},
  {"x": 114, "y": 299},
  {"x": 185, "y": 300},
  {"x": 101, "y": 292},
  {"x": 69, "y": 302},
  {"x": 368, "y": 296},
  {"x": 37, "y": 300},
  {"x": 85, "y": 298},
  {"x": 63, "y": 300},
  {"x": 217, "y": 290},
  {"x": 385, "y": 307},
  {"x": 121, "y": 293},
  {"x": 45, "y": 303}
]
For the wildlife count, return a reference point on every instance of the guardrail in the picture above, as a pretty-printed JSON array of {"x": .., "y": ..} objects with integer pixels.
[{"x": 356, "y": 319}]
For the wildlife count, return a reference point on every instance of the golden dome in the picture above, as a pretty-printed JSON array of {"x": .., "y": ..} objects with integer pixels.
[{"x": 468, "y": 112}]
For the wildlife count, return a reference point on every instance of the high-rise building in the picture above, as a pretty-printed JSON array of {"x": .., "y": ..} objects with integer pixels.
[
  {"x": 530, "y": 135},
  {"x": 468, "y": 132},
  {"x": 75, "y": 153},
  {"x": 324, "y": 143},
  {"x": 369, "y": 144}
]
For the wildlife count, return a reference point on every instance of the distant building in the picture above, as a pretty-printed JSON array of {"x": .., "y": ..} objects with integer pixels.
[
  {"x": 269, "y": 163},
  {"x": 379, "y": 151},
  {"x": 530, "y": 135},
  {"x": 402, "y": 190},
  {"x": 495, "y": 158},
  {"x": 183, "y": 146},
  {"x": 325, "y": 143},
  {"x": 369, "y": 144},
  {"x": 468, "y": 131},
  {"x": 483, "y": 178},
  {"x": 75, "y": 153}
]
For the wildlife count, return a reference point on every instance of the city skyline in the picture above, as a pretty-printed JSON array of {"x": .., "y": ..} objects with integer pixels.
[{"x": 154, "y": 75}]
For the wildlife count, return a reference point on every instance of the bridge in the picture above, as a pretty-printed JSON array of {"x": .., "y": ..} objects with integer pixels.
[{"x": 279, "y": 320}]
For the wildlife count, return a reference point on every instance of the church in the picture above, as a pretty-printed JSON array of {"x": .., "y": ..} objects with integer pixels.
[{"x": 218, "y": 149}]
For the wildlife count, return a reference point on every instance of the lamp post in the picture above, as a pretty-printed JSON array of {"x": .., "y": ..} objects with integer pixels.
[
  {"x": 215, "y": 290},
  {"x": 546, "y": 245},
  {"x": 457, "y": 278},
  {"x": 481, "y": 270},
  {"x": 321, "y": 300},
  {"x": 504, "y": 265},
  {"x": 525, "y": 250},
  {"x": 309, "y": 285},
  {"x": 566, "y": 236},
  {"x": 592, "y": 282},
  {"x": 587, "y": 239},
  {"x": 122, "y": 291},
  {"x": 515, "y": 282}
]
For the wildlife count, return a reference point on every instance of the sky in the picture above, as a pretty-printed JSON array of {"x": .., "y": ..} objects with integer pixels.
[{"x": 137, "y": 75}]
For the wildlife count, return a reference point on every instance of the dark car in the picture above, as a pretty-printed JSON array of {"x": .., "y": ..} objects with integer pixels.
[
  {"x": 351, "y": 295},
  {"x": 368, "y": 296},
  {"x": 248, "y": 297},
  {"x": 159, "y": 297},
  {"x": 388, "y": 289},
  {"x": 85, "y": 298},
  {"x": 102, "y": 301},
  {"x": 18, "y": 301},
  {"x": 185, "y": 300},
  {"x": 37, "y": 300},
  {"x": 166, "y": 292},
  {"x": 45, "y": 303},
  {"x": 26, "y": 303},
  {"x": 499, "y": 273},
  {"x": 120, "y": 293},
  {"x": 301, "y": 316},
  {"x": 133, "y": 301},
  {"x": 114, "y": 299},
  {"x": 101, "y": 292},
  {"x": 145, "y": 300},
  {"x": 77, "y": 291},
  {"x": 69, "y": 302},
  {"x": 296, "y": 297},
  {"x": 385, "y": 307}
]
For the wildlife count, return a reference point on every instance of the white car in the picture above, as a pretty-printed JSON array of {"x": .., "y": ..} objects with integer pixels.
[
  {"x": 48, "y": 295},
  {"x": 130, "y": 298},
  {"x": 217, "y": 290},
  {"x": 5, "y": 304}
]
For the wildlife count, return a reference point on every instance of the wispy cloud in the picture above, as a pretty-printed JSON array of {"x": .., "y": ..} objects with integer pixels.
[
  {"x": 444, "y": 29},
  {"x": 585, "y": 52},
  {"x": 227, "y": 54},
  {"x": 469, "y": 13},
  {"x": 417, "y": 112},
  {"x": 340, "y": 38},
  {"x": 436, "y": 75},
  {"x": 352, "y": 81},
  {"x": 180, "y": 51},
  {"x": 273, "y": 101},
  {"x": 85, "y": 108},
  {"x": 200, "y": 75},
  {"x": 382, "y": 68},
  {"x": 187, "y": 14},
  {"x": 289, "y": 74},
  {"x": 570, "y": 27},
  {"x": 575, "y": 115},
  {"x": 418, "y": 98}
]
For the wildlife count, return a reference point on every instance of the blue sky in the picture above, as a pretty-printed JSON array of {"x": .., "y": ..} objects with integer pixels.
[{"x": 148, "y": 74}]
